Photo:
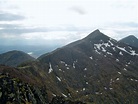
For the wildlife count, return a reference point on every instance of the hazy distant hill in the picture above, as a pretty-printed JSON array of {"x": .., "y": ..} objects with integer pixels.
[
  {"x": 130, "y": 40},
  {"x": 95, "y": 70},
  {"x": 14, "y": 58},
  {"x": 32, "y": 50}
]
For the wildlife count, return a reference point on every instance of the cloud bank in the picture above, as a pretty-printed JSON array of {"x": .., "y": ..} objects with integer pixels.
[
  {"x": 10, "y": 17},
  {"x": 61, "y": 22}
]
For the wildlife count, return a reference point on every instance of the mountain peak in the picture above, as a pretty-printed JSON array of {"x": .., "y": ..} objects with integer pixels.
[
  {"x": 131, "y": 36},
  {"x": 130, "y": 40},
  {"x": 96, "y": 35},
  {"x": 97, "y": 30}
]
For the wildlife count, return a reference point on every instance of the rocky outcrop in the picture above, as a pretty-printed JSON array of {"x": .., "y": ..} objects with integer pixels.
[{"x": 14, "y": 91}]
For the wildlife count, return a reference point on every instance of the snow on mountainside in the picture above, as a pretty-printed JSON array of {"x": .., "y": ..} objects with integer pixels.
[
  {"x": 93, "y": 65},
  {"x": 96, "y": 69}
]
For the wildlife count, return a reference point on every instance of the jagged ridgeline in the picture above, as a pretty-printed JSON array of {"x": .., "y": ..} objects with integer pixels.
[{"x": 93, "y": 70}]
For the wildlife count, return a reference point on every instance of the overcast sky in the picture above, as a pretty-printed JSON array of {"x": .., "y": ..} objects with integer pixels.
[{"x": 59, "y": 22}]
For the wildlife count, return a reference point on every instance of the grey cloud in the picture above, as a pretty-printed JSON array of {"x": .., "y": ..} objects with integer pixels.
[
  {"x": 130, "y": 24},
  {"x": 10, "y": 26},
  {"x": 128, "y": 32},
  {"x": 132, "y": 28},
  {"x": 10, "y": 17},
  {"x": 16, "y": 29},
  {"x": 125, "y": 24},
  {"x": 78, "y": 10},
  {"x": 124, "y": 29},
  {"x": 19, "y": 31}
]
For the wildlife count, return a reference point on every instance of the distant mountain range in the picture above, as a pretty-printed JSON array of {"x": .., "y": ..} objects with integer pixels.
[
  {"x": 130, "y": 40},
  {"x": 14, "y": 58},
  {"x": 95, "y": 70},
  {"x": 34, "y": 51}
]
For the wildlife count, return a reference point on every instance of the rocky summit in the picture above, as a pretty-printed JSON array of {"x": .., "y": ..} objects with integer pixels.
[
  {"x": 130, "y": 40},
  {"x": 93, "y": 70}
]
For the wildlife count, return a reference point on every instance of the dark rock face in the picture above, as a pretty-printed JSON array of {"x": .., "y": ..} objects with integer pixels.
[
  {"x": 13, "y": 90},
  {"x": 130, "y": 40},
  {"x": 14, "y": 58}
]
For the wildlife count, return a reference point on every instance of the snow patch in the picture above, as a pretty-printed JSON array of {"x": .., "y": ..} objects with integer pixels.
[
  {"x": 110, "y": 88},
  {"x": 119, "y": 72},
  {"x": 126, "y": 65},
  {"x": 91, "y": 57},
  {"x": 120, "y": 53},
  {"x": 111, "y": 43},
  {"x": 58, "y": 78},
  {"x": 64, "y": 95},
  {"x": 97, "y": 52},
  {"x": 83, "y": 89},
  {"x": 67, "y": 67},
  {"x": 117, "y": 60},
  {"x": 74, "y": 65},
  {"x": 105, "y": 88},
  {"x": 132, "y": 52},
  {"x": 103, "y": 49},
  {"x": 109, "y": 53},
  {"x": 53, "y": 94},
  {"x": 131, "y": 79},
  {"x": 50, "y": 69},
  {"x": 104, "y": 55},
  {"x": 59, "y": 69},
  {"x": 125, "y": 69},
  {"x": 30, "y": 53},
  {"x": 129, "y": 47},
  {"x": 117, "y": 79},
  {"x": 123, "y": 49},
  {"x": 85, "y": 69},
  {"x": 62, "y": 62},
  {"x": 98, "y": 46},
  {"x": 106, "y": 45},
  {"x": 114, "y": 48},
  {"x": 87, "y": 83}
]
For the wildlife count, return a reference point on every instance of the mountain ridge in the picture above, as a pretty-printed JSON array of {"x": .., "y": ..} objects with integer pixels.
[
  {"x": 130, "y": 40},
  {"x": 96, "y": 69},
  {"x": 93, "y": 57}
]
